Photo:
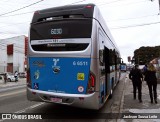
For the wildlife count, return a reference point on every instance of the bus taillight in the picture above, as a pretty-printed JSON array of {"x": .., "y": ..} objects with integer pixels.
[
  {"x": 91, "y": 84},
  {"x": 28, "y": 78},
  {"x": 36, "y": 12},
  {"x": 92, "y": 80},
  {"x": 88, "y": 6}
]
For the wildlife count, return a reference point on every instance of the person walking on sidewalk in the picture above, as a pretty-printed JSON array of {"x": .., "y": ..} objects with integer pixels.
[
  {"x": 16, "y": 76},
  {"x": 5, "y": 78},
  {"x": 136, "y": 76},
  {"x": 150, "y": 78}
]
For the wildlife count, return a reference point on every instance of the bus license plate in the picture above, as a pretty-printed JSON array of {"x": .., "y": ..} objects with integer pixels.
[{"x": 56, "y": 100}]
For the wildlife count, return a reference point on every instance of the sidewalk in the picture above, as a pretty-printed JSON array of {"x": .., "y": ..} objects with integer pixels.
[
  {"x": 21, "y": 81},
  {"x": 133, "y": 106}
]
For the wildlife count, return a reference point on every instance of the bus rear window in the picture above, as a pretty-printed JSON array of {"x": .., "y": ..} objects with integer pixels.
[
  {"x": 50, "y": 36},
  {"x": 60, "y": 44}
]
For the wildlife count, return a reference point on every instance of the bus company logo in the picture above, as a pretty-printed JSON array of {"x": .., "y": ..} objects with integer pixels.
[
  {"x": 55, "y": 61},
  {"x": 56, "y": 69},
  {"x": 38, "y": 63}
]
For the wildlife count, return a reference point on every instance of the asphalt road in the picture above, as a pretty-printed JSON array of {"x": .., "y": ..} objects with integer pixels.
[{"x": 13, "y": 100}]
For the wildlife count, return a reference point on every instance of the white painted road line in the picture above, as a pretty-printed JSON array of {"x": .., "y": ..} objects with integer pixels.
[
  {"x": 30, "y": 107},
  {"x": 12, "y": 87},
  {"x": 12, "y": 93}
]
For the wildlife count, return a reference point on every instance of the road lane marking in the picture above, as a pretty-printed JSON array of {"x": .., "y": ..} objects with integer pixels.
[
  {"x": 30, "y": 107},
  {"x": 11, "y": 88},
  {"x": 13, "y": 93}
]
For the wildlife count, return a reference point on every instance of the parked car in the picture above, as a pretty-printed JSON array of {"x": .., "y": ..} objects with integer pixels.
[
  {"x": 22, "y": 74},
  {"x": 10, "y": 77}
]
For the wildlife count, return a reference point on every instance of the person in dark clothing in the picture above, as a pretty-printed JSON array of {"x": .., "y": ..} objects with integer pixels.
[
  {"x": 5, "y": 78},
  {"x": 16, "y": 76},
  {"x": 150, "y": 77},
  {"x": 136, "y": 77},
  {"x": 145, "y": 69}
]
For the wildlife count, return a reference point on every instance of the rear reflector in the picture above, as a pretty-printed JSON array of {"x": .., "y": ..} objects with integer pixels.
[
  {"x": 81, "y": 98},
  {"x": 34, "y": 93}
]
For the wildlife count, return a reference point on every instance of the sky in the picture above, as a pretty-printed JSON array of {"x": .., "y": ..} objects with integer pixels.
[{"x": 133, "y": 23}]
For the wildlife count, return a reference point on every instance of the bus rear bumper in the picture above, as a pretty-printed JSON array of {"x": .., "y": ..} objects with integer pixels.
[{"x": 89, "y": 101}]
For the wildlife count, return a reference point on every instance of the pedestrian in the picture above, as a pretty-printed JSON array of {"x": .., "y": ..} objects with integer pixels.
[
  {"x": 151, "y": 79},
  {"x": 136, "y": 76},
  {"x": 16, "y": 76},
  {"x": 5, "y": 78},
  {"x": 145, "y": 69}
]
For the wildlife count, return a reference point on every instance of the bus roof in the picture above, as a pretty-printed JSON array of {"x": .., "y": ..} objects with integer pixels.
[
  {"x": 83, "y": 9},
  {"x": 86, "y": 10}
]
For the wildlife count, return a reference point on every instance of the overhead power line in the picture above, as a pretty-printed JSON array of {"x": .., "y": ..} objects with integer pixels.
[
  {"x": 131, "y": 26},
  {"x": 21, "y": 8},
  {"x": 132, "y": 18},
  {"x": 122, "y": 1},
  {"x": 77, "y": 2},
  {"x": 111, "y": 2},
  {"x": 13, "y": 24},
  {"x": 34, "y": 11},
  {"x": 19, "y": 14}
]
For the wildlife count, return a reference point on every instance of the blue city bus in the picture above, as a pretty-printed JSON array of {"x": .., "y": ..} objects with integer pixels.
[
  {"x": 72, "y": 57},
  {"x": 123, "y": 67}
]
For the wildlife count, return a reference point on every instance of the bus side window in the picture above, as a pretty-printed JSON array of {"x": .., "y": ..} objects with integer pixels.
[
  {"x": 101, "y": 53},
  {"x": 112, "y": 59},
  {"x": 106, "y": 59},
  {"x": 115, "y": 61}
]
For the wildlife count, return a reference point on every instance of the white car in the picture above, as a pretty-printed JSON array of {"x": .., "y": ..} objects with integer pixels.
[{"x": 10, "y": 77}]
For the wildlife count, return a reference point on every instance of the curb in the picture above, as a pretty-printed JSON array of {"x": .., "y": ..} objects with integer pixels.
[
  {"x": 122, "y": 98},
  {"x": 12, "y": 84}
]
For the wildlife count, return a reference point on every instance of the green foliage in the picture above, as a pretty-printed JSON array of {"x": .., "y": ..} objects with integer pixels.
[{"x": 144, "y": 55}]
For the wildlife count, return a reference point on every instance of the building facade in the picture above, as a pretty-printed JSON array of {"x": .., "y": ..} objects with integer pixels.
[{"x": 13, "y": 53}]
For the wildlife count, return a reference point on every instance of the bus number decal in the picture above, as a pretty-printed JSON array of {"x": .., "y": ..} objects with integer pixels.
[
  {"x": 56, "y": 31},
  {"x": 80, "y": 63}
]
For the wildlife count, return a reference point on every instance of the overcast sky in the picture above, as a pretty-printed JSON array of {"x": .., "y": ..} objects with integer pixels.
[{"x": 133, "y": 23}]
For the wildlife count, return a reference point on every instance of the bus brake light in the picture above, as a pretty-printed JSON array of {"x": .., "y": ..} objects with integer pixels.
[
  {"x": 91, "y": 83},
  {"x": 88, "y": 6},
  {"x": 92, "y": 80},
  {"x": 36, "y": 12},
  {"x": 28, "y": 78}
]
